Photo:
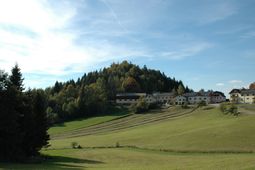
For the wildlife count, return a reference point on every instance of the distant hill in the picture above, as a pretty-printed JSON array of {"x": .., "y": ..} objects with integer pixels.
[{"x": 90, "y": 94}]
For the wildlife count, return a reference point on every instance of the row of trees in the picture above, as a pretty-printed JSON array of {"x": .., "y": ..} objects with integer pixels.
[
  {"x": 23, "y": 119},
  {"x": 93, "y": 93}
]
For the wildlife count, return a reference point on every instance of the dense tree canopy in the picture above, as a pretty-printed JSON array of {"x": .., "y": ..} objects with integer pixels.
[
  {"x": 252, "y": 86},
  {"x": 23, "y": 119},
  {"x": 93, "y": 92}
]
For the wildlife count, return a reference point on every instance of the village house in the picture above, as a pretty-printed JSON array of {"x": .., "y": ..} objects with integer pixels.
[
  {"x": 170, "y": 98},
  {"x": 163, "y": 97},
  {"x": 180, "y": 100},
  {"x": 245, "y": 96},
  {"x": 217, "y": 97},
  {"x": 130, "y": 98}
]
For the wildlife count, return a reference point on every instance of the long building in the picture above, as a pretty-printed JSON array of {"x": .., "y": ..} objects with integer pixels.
[
  {"x": 170, "y": 98},
  {"x": 246, "y": 96}
]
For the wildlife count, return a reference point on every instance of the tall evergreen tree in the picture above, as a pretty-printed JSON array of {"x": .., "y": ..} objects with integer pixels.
[
  {"x": 180, "y": 89},
  {"x": 40, "y": 117},
  {"x": 9, "y": 127},
  {"x": 16, "y": 79}
]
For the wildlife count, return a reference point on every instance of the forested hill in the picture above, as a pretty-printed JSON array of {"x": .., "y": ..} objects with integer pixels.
[{"x": 91, "y": 93}]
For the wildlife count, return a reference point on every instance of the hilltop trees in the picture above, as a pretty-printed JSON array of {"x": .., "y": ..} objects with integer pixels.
[
  {"x": 131, "y": 85},
  {"x": 93, "y": 92},
  {"x": 23, "y": 121},
  {"x": 252, "y": 86},
  {"x": 180, "y": 89}
]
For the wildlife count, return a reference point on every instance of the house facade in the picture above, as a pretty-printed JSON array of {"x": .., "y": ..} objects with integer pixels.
[
  {"x": 130, "y": 98},
  {"x": 169, "y": 98},
  {"x": 180, "y": 100},
  {"x": 164, "y": 97},
  {"x": 245, "y": 96},
  {"x": 199, "y": 98},
  {"x": 217, "y": 97}
]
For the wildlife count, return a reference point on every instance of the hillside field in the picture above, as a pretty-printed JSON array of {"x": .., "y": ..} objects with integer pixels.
[{"x": 171, "y": 138}]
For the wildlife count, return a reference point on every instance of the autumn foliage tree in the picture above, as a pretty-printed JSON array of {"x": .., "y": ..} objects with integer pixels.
[
  {"x": 131, "y": 85},
  {"x": 252, "y": 86}
]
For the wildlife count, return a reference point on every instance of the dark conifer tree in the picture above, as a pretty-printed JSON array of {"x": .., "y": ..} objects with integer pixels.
[{"x": 16, "y": 79}]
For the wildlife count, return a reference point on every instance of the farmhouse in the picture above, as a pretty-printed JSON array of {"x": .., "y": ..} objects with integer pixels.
[
  {"x": 180, "y": 100},
  {"x": 130, "y": 98},
  {"x": 246, "y": 96},
  {"x": 163, "y": 97},
  {"x": 170, "y": 98},
  {"x": 217, "y": 97}
]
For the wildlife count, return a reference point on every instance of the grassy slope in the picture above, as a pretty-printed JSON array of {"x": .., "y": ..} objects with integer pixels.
[
  {"x": 78, "y": 124},
  {"x": 203, "y": 130}
]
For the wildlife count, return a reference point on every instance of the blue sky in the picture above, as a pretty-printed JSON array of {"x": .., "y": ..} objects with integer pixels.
[{"x": 208, "y": 44}]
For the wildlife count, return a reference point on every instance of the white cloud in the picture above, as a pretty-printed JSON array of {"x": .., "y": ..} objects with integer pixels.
[
  {"x": 189, "y": 50},
  {"x": 235, "y": 81},
  {"x": 53, "y": 50},
  {"x": 250, "y": 34},
  {"x": 220, "y": 84},
  {"x": 216, "y": 11}
]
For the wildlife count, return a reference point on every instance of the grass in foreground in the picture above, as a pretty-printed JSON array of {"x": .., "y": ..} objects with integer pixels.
[
  {"x": 205, "y": 130},
  {"x": 127, "y": 159}
]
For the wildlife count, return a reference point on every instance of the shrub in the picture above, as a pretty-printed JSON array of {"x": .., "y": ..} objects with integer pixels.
[
  {"x": 223, "y": 107},
  {"x": 185, "y": 106},
  {"x": 233, "y": 110},
  {"x": 201, "y": 104},
  {"x": 117, "y": 145},
  {"x": 141, "y": 106},
  {"x": 153, "y": 106},
  {"x": 227, "y": 108},
  {"x": 74, "y": 145}
]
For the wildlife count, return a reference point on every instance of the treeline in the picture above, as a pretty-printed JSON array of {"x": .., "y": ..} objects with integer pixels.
[
  {"x": 94, "y": 93},
  {"x": 23, "y": 119}
]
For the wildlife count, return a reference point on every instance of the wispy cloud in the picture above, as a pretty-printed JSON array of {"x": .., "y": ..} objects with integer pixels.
[
  {"x": 53, "y": 47},
  {"x": 250, "y": 34},
  {"x": 235, "y": 81},
  {"x": 216, "y": 11},
  {"x": 190, "y": 50},
  {"x": 220, "y": 84}
]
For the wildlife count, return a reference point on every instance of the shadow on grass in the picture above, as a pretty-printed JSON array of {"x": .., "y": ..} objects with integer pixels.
[{"x": 52, "y": 163}]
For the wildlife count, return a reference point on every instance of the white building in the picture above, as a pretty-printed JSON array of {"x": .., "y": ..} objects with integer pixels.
[
  {"x": 129, "y": 98},
  {"x": 164, "y": 97},
  {"x": 217, "y": 97},
  {"x": 180, "y": 100},
  {"x": 199, "y": 98},
  {"x": 242, "y": 96}
]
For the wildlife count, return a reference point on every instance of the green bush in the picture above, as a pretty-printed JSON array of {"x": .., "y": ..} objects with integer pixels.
[
  {"x": 233, "y": 110},
  {"x": 228, "y": 108},
  {"x": 141, "y": 106},
  {"x": 185, "y": 106},
  {"x": 201, "y": 104},
  {"x": 74, "y": 145},
  {"x": 117, "y": 145}
]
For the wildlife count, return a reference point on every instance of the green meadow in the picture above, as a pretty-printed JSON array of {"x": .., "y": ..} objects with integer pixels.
[{"x": 172, "y": 138}]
